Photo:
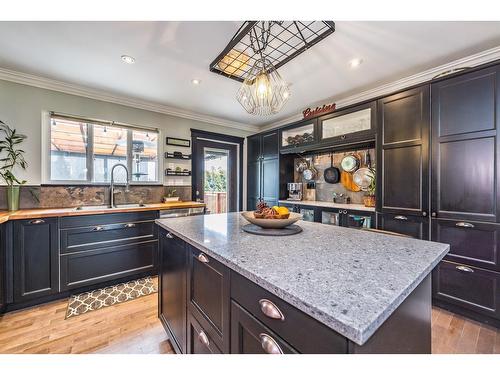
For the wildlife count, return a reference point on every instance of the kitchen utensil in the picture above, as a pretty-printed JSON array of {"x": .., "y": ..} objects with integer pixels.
[
  {"x": 255, "y": 229},
  {"x": 331, "y": 174},
  {"x": 271, "y": 223},
  {"x": 347, "y": 182},
  {"x": 310, "y": 172},
  {"x": 350, "y": 163},
  {"x": 301, "y": 166},
  {"x": 363, "y": 176}
]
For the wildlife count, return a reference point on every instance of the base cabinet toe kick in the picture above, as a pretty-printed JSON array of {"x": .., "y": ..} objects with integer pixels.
[{"x": 206, "y": 308}]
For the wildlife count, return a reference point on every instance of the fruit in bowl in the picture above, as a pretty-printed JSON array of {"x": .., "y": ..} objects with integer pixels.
[{"x": 271, "y": 217}]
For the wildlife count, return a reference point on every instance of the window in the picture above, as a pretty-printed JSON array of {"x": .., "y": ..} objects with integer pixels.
[{"x": 85, "y": 151}]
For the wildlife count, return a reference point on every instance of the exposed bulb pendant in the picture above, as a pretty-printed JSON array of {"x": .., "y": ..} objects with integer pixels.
[{"x": 263, "y": 92}]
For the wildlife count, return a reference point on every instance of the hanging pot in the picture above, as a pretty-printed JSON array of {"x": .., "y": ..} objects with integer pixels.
[
  {"x": 331, "y": 174},
  {"x": 363, "y": 177},
  {"x": 310, "y": 172},
  {"x": 350, "y": 163}
]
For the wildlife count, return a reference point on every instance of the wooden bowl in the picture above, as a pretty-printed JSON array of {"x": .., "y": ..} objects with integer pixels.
[{"x": 272, "y": 223}]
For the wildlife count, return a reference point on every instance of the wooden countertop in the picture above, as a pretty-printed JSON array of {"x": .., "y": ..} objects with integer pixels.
[{"x": 72, "y": 211}]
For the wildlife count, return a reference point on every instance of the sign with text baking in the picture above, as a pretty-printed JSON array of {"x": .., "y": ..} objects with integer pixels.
[{"x": 309, "y": 112}]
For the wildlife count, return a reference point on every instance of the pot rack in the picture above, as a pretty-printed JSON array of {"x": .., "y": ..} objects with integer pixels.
[{"x": 287, "y": 40}]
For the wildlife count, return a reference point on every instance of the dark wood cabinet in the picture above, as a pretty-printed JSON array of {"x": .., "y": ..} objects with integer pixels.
[
  {"x": 465, "y": 183},
  {"x": 208, "y": 295},
  {"x": 199, "y": 341},
  {"x": 249, "y": 336},
  {"x": 172, "y": 296},
  {"x": 413, "y": 226},
  {"x": 348, "y": 125},
  {"x": 469, "y": 287},
  {"x": 298, "y": 136},
  {"x": 36, "y": 258},
  {"x": 3, "y": 272},
  {"x": 472, "y": 243},
  {"x": 403, "y": 153},
  {"x": 263, "y": 169}
]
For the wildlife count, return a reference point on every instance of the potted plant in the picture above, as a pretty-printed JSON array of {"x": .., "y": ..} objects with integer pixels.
[
  {"x": 13, "y": 157},
  {"x": 171, "y": 197},
  {"x": 369, "y": 198}
]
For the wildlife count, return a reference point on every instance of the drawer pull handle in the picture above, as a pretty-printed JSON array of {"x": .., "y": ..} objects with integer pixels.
[
  {"x": 269, "y": 345},
  {"x": 98, "y": 228},
  {"x": 202, "y": 258},
  {"x": 463, "y": 224},
  {"x": 270, "y": 310},
  {"x": 202, "y": 336},
  {"x": 464, "y": 269},
  {"x": 37, "y": 221},
  {"x": 130, "y": 225},
  {"x": 400, "y": 217},
  {"x": 169, "y": 235}
]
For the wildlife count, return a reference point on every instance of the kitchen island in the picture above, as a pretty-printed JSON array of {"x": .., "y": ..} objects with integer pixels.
[{"x": 326, "y": 290}]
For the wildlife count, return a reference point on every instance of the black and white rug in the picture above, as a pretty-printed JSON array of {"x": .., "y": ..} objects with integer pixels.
[{"x": 97, "y": 299}]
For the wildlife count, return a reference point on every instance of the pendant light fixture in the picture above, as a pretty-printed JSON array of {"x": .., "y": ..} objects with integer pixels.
[{"x": 263, "y": 91}]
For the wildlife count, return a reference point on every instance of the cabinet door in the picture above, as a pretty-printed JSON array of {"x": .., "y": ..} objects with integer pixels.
[
  {"x": 253, "y": 184},
  {"x": 199, "y": 340},
  {"x": 414, "y": 226},
  {"x": 173, "y": 288},
  {"x": 473, "y": 288},
  {"x": 249, "y": 336},
  {"x": 270, "y": 145},
  {"x": 403, "y": 157},
  {"x": 298, "y": 135},
  {"x": 270, "y": 181},
  {"x": 3, "y": 272},
  {"x": 208, "y": 293},
  {"x": 471, "y": 243},
  {"x": 465, "y": 184},
  {"x": 36, "y": 263},
  {"x": 254, "y": 151},
  {"x": 348, "y": 125}
]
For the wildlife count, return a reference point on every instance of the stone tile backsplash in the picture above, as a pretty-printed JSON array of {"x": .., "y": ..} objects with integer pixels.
[{"x": 71, "y": 196}]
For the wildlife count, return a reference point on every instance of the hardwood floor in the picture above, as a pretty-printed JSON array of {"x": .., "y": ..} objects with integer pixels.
[{"x": 133, "y": 327}]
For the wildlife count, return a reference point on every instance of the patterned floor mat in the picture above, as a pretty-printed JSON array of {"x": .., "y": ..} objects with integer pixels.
[{"x": 97, "y": 299}]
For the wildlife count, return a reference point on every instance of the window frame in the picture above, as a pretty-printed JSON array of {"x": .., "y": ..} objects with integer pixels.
[{"x": 46, "y": 151}]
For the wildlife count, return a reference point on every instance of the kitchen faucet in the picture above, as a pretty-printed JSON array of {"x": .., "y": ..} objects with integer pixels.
[{"x": 112, "y": 185}]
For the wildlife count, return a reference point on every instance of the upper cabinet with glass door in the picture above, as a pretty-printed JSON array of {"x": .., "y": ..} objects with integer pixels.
[
  {"x": 348, "y": 125},
  {"x": 299, "y": 134}
]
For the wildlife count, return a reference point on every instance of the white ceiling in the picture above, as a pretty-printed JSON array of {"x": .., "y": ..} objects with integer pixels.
[{"x": 170, "y": 54}]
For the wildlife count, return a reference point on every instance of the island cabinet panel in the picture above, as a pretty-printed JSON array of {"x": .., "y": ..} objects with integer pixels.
[
  {"x": 465, "y": 184},
  {"x": 413, "y": 226},
  {"x": 472, "y": 288},
  {"x": 208, "y": 295},
  {"x": 3, "y": 272},
  {"x": 263, "y": 169},
  {"x": 403, "y": 154},
  {"x": 172, "y": 296},
  {"x": 299, "y": 330},
  {"x": 36, "y": 266},
  {"x": 472, "y": 243},
  {"x": 249, "y": 336},
  {"x": 199, "y": 340}
]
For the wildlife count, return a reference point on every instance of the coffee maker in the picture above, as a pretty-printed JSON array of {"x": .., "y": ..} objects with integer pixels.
[{"x": 294, "y": 191}]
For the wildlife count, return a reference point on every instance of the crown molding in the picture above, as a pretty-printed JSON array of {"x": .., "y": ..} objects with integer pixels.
[
  {"x": 78, "y": 90},
  {"x": 469, "y": 61}
]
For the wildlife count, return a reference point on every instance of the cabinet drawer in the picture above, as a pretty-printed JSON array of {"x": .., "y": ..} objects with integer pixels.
[
  {"x": 208, "y": 291},
  {"x": 470, "y": 242},
  {"x": 413, "y": 226},
  {"x": 469, "y": 287},
  {"x": 304, "y": 333},
  {"x": 95, "y": 266},
  {"x": 105, "y": 235},
  {"x": 200, "y": 341},
  {"x": 249, "y": 336},
  {"x": 92, "y": 220}
]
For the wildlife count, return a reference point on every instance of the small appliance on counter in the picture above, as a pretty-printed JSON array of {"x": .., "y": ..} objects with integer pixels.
[
  {"x": 341, "y": 198},
  {"x": 294, "y": 191}
]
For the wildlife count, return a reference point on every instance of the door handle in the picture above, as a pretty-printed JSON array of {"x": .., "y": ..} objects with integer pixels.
[
  {"x": 129, "y": 225},
  {"x": 463, "y": 224},
  {"x": 169, "y": 235},
  {"x": 202, "y": 258},
  {"x": 269, "y": 345},
  {"x": 400, "y": 217},
  {"x": 464, "y": 269},
  {"x": 97, "y": 228},
  {"x": 37, "y": 221},
  {"x": 202, "y": 336},
  {"x": 270, "y": 310}
]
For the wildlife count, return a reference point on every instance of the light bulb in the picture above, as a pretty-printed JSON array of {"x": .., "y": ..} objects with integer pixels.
[{"x": 262, "y": 86}]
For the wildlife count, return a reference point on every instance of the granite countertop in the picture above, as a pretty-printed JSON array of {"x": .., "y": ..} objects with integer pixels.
[
  {"x": 348, "y": 279},
  {"x": 347, "y": 206},
  {"x": 72, "y": 211}
]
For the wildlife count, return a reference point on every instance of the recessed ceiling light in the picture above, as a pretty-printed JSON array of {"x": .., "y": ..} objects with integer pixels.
[
  {"x": 354, "y": 63},
  {"x": 128, "y": 59},
  {"x": 195, "y": 81}
]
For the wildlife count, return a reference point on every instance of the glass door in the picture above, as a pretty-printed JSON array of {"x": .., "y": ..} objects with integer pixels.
[{"x": 215, "y": 177}]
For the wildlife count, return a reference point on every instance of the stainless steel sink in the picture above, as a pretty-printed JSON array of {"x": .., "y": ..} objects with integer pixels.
[{"x": 105, "y": 207}]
